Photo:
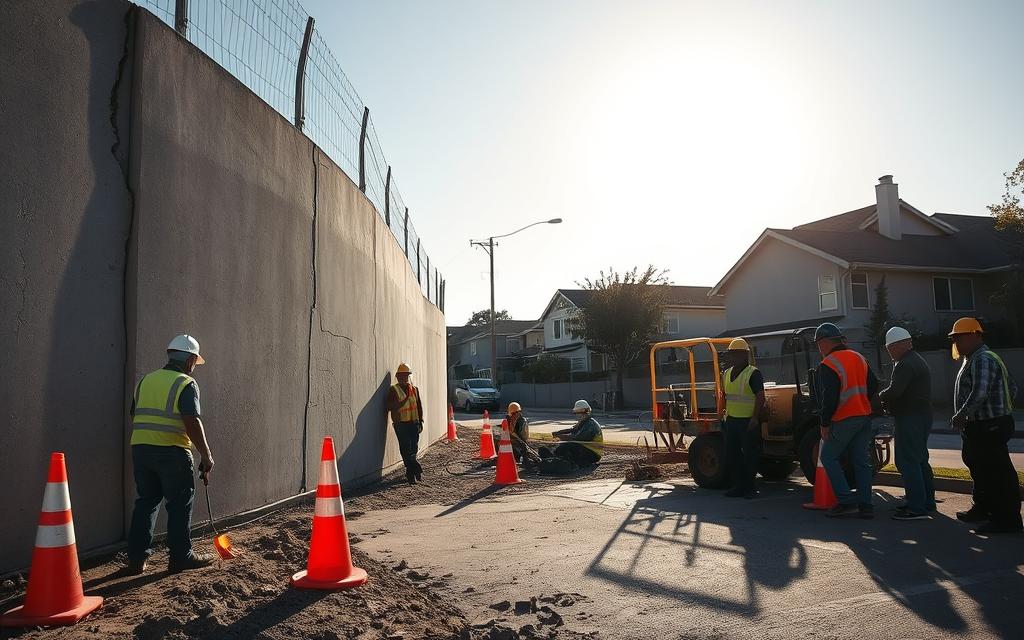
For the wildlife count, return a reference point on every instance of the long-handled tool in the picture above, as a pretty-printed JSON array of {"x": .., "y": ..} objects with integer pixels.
[{"x": 220, "y": 541}]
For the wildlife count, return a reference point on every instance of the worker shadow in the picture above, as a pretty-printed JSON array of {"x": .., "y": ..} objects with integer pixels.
[
  {"x": 465, "y": 502},
  {"x": 114, "y": 584},
  {"x": 930, "y": 566},
  {"x": 927, "y": 568},
  {"x": 363, "y": 458}
]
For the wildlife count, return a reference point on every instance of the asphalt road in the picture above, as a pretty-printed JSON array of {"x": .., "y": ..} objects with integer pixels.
[{"x": 669, "y": 560}]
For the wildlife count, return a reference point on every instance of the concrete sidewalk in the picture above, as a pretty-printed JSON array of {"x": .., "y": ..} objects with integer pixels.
[{"x": 692, "y": 564}]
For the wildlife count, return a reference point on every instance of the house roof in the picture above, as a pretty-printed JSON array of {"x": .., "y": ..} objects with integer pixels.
[
  {"x": 964, "y": 243},
  {"x": 501, "y": 328},
  {"x": 677, "y": 296}
]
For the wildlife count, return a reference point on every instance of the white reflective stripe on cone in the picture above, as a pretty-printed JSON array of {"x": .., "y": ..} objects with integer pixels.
[
  {"x": 505, "y": 448},
  {"x": 329, "y": 507},
  {"x": 56, "y": 535},
  {"x": 56, "y": 497},
  {"x": 328, "y": 472}
]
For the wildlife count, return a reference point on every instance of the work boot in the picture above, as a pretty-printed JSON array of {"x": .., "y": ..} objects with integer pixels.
[
  {"x": 842, "y": 510},
  {"x": 136, "y": 568},
  {"x": 193, "y": 561},
  {"x": 974, "y": 514},
  {"x": 411, "y": 477}
]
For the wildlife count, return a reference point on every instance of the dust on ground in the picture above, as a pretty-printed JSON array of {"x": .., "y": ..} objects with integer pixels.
[{"x": 250, "y": 597}]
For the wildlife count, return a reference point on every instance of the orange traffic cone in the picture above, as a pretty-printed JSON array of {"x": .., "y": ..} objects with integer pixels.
[
  {"x": 824, "y": 496},
  {"x": 452, "y": 433},
  {"x": 54, "y": 595},
  {"x": 506, "y": 471},
  {"x": 486, "y": 442},
  {"x": 330, "y": 560}
]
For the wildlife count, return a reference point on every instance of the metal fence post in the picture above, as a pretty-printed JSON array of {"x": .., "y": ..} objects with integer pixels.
[
  {"x": 426, "y": 272},
  {"x": 407, "y": 233},
  {"x": 387, "y": 198},
  {"x": 418, "y": 278},
  {"x": 362, "y": 150},
  {"x": 300, "y": 76},
  {"x": 181, "y": 17}
]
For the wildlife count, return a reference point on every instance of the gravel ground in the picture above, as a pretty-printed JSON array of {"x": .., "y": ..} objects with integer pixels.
[{"x": 249, "y": 597}]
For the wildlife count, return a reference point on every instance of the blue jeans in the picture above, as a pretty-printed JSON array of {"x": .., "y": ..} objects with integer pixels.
[
  {"x": 852, "y": 436},
  {"x": 162, "y": 473},
  {"x": 912, "y": 460}
]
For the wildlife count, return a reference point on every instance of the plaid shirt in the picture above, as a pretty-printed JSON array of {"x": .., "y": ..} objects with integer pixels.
[{"x": 980, "y": 392}]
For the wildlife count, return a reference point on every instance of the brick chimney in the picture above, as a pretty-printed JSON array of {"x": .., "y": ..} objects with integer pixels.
[{"x": 887, "y": 197}]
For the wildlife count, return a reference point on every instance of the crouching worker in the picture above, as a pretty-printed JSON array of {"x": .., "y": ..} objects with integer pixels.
[
  {"x": 519, "y": 434},
  {"x": 581, "y": 445}
]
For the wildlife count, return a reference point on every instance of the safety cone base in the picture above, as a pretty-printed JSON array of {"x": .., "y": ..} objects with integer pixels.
[
  {"x": 16, "y": 617},
  {"x": 358, "y": 577},
  {"x": 516, "y": 481}
]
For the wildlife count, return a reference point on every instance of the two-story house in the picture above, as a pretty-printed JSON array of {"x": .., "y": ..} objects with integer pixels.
[
  {"x": 469, "y": 348},
  {"x": 689, "y": 312},
  {"x": 936, "y": 268}
]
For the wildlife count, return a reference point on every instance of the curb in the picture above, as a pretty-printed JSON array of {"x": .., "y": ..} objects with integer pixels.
[{"x": 951, "y": 485}]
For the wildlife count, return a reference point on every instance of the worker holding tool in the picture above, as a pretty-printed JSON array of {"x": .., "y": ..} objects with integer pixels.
[
  {"x": 846, "y": 386},
  {"x": 743, "y": 384},
  {"x": 583, "y": 444},
  {"x": 908, "y": 398},
  {"x": 519, "y": 432},
  {"x": 165, "y": 426},
  {"x": 983, "y": 414},
  {"x": 405, "y": 405}
]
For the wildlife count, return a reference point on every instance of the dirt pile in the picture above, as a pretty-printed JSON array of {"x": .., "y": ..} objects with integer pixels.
[{"x": 250, "y": 597}]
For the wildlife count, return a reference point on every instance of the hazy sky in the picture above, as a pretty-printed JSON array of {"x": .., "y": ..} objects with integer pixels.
[{"x": 671, "y": 133}]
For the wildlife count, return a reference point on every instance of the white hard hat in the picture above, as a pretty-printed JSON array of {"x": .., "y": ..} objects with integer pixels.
[
  {"x": 186, "y": 343},
  {"x": 581, "y": 406},
  {"x": 896, "y": 334}
]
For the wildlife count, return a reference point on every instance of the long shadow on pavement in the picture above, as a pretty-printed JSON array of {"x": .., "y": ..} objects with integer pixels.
[{"x": 918, "y": 564}]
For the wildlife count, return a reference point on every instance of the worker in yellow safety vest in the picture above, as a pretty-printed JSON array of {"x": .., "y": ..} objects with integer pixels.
[
  {"x": 165, "y": 426},
  {"x": 406, "y": 408},
  {"x": 743, "y": 384}
]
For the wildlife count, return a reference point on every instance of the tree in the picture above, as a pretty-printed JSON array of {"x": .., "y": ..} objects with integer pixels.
[
  {"x": 482, "y": 318},
  {"x": 546, "y": 368},
  {"x": 880, "y": 321},
  {"x": 1009, "y": 215},
  {"x": 623, "y": 313}
]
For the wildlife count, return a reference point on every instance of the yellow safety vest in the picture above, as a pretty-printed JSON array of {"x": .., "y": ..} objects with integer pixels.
[
  {"x": 156, "y": 419},
  {"x": 739, "y": 399},
  {"x": 596, "y": 445},
  {"x": 408, "y": 404}
]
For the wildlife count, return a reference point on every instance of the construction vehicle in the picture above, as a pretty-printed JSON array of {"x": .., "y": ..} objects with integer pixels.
[{"x": 692, "y": 405}]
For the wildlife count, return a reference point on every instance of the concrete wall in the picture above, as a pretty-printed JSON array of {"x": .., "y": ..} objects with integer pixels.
[
  {"x": 64, "y": 219},
  {"x": 211, "y": 215}
]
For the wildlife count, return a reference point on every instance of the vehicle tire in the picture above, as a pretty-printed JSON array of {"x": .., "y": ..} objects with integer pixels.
[
  {"x": 707, "y": 461},
  {"x": 809, "y": 458},
  {"x": 776, "y": 469}
]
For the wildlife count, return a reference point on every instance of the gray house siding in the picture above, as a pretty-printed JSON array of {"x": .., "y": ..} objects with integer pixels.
[{"x": 778, "y": 284}]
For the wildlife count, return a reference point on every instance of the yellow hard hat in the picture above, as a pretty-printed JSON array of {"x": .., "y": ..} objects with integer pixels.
[
  {"x": 966, "y": 325},
  {"x": 739, "y": 344},
  {"x": 514, "y": 407},
  {"x": 403, "y": 368}
]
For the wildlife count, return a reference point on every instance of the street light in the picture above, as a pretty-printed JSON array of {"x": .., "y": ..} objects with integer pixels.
[{"x": 488, "y": 246}]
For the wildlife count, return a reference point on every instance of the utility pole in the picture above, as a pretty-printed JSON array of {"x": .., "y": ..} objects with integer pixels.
[{"x": 494, "y": 340}]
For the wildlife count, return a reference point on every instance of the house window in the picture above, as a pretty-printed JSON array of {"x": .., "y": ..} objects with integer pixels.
[
  {"x": 472, "y": 348},
  {"x": 954, "y": 294},
  {"x": 578, "y": 364},
  {"x": 670, "y": 324},
  {"x": 827, "y": 299},
  {"x": 557, "y": 329},
  {"x": 859, "y": 286}
]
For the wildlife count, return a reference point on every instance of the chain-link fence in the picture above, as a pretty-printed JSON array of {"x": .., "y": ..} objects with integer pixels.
[{"x": 273, "y": 47}]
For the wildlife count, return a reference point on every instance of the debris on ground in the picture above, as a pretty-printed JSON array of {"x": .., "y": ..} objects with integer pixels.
[{"x": 250, "y": 596}]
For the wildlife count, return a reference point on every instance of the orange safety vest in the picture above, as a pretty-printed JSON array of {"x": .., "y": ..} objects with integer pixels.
[{"x": 852, "y": 369}]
